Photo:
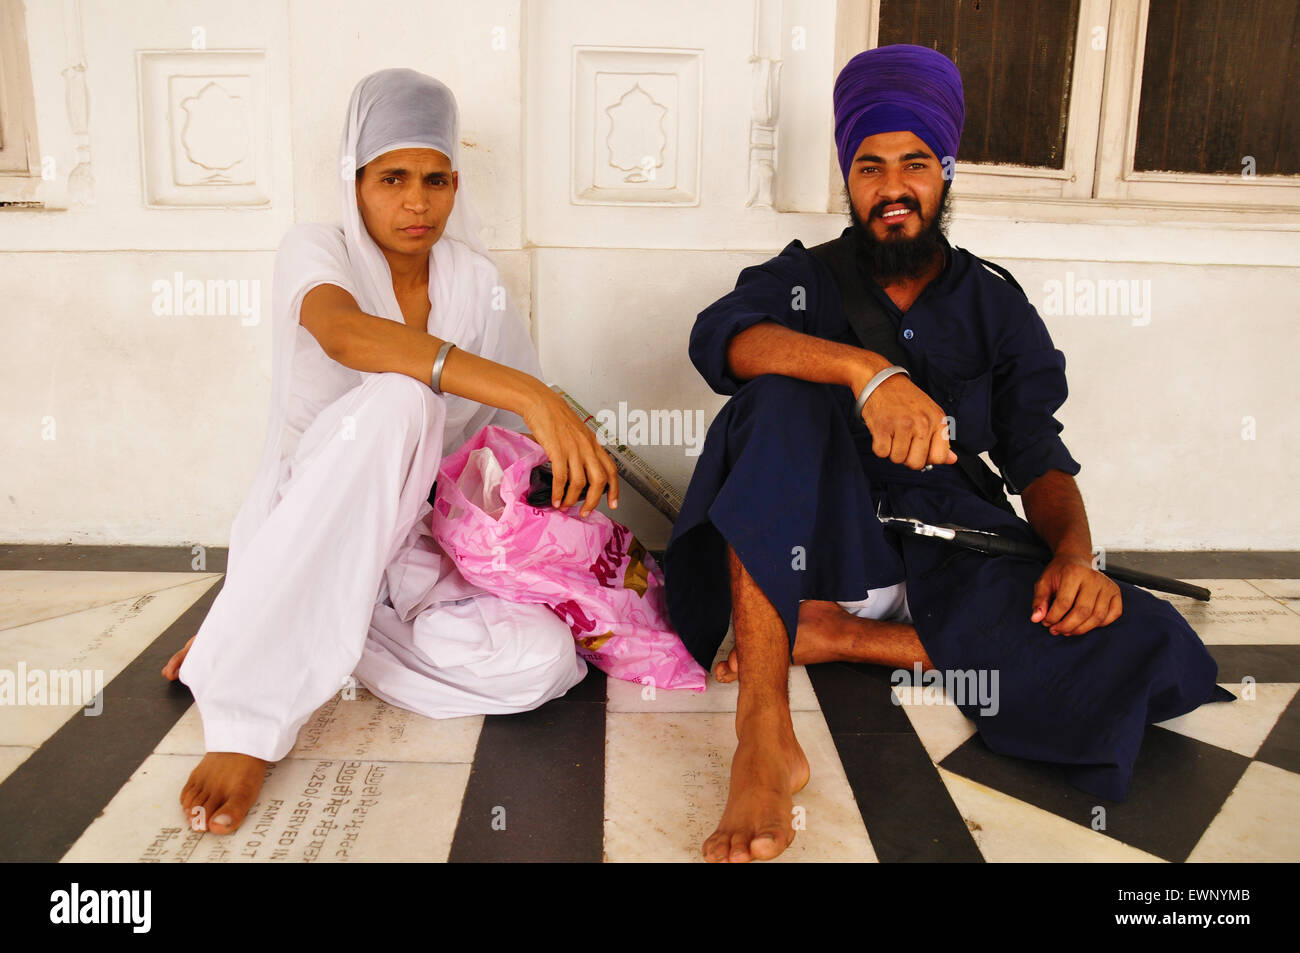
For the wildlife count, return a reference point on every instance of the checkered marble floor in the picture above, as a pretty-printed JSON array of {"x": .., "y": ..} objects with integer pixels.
[{"x": 612, "y": 771}]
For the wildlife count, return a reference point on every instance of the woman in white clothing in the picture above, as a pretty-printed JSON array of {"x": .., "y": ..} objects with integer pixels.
[{"x": 394, "y": 342}]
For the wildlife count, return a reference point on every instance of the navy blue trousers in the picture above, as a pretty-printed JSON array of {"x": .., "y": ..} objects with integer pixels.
[{"x": 788, "y": 480}]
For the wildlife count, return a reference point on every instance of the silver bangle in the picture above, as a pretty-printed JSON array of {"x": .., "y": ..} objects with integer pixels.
[
  {"x": 875, "y": 382},
  {"x": 435, "y": 377}
]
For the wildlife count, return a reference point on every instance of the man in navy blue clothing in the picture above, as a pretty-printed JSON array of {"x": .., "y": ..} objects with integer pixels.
[{"x": 779, "y": 530}]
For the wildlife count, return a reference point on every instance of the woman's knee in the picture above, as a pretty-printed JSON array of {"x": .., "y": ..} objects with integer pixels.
[{"x": 397, "y": 397}]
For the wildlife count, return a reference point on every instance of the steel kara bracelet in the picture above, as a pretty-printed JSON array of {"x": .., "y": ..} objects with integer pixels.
[
  {"x": 435, "y": 377},
  {"x": 875, "y": 382}
]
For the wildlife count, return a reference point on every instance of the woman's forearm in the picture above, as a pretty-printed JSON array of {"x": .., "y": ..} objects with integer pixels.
[{"x": 369, "y": 343}]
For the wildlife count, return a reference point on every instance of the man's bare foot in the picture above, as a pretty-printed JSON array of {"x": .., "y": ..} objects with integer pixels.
[
  {"x": 768, "y": 769},
  {"x": 829, "y": 633},
  {"x": 172, "y": 670},
  {"x": 221, "y": 790}
]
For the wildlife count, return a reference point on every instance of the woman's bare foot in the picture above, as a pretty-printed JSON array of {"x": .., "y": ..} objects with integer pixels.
[
  {"x": 172, "y": 670},
  {"x": 221, "y": 790},
  {"x": 768, "y": 769},
  {"x": 828, "y": 633}
]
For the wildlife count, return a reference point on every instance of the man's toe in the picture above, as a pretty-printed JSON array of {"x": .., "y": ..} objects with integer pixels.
[
  {"x": 739, "y": 853},
  {"x": 715, "y": 848},
  {"x": 767, "y": 843}
]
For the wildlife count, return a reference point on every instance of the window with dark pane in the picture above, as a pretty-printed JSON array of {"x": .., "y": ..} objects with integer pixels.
[
  {"x": 1016, "y": 59},
  {"x": 1219, "y": 81}
]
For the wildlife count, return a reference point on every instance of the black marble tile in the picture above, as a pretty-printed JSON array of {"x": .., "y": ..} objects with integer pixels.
[
  {"x": 1179, "y": 784},
  {"x": 1282, "y": 746}
]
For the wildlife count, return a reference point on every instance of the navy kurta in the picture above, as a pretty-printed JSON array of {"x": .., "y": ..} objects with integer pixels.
[{"x": 788, "y": 479}]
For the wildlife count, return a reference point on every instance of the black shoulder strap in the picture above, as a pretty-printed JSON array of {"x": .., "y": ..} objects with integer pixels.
[
  {"x": 876, "y": 331},
  {"x": 1002, "y": 272}
]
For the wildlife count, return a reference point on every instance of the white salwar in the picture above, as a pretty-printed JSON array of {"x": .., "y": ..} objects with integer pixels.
[{"x": 332, "y": 570}]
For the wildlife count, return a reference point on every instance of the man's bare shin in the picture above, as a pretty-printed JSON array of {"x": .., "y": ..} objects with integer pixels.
[{"x": 762, "y": 648}]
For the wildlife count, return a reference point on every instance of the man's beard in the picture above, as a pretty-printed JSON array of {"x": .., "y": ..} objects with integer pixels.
[{"x": 902, "y": 257}]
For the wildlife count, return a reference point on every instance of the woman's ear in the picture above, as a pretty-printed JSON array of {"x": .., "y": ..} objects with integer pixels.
[{"x": 455, "y": 180}]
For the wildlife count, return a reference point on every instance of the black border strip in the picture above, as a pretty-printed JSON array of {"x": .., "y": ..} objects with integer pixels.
[
  {"x": 69, "y": 557},
  {"x": 541, "y": 773},
  {"x": 1264, "y": 662},
  {"x": 909, "y": 814},
  {"x": 1213, "y": 564},
  {"x": 51, "y": 798},
  {"x": 1197, "y": 564}
]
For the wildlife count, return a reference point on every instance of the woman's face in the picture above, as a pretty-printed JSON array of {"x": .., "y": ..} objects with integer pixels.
[{"x": 405, "y": 198}]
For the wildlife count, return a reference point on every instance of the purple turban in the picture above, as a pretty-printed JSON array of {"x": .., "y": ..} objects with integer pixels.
[{"x": 901, "y": 88}]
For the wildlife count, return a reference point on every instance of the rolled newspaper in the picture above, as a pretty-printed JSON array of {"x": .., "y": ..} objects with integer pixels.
[{"x": 632, "y": 470}]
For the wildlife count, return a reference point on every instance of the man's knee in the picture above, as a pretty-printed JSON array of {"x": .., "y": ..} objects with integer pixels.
[
  {"x": 781, "y": 417},
  {"x": 777, "y": 390}
]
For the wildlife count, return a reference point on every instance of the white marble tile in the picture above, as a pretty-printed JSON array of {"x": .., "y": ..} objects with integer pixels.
[
  {"x": 360, "y": 728},
  {"x": 328, "y": 810},
  {"x": 631, "y": 697},
  {"x": 32, "y": 595},
  {"x": 1008, "y": 830},
  {"x": 11, "y": 756},
  {"x": 100, "y": 641},
  {"x": 1258, "y": 821},
  {"x": 666, "y": 780},
  {"x": 941, "y": 728},
  {"x": 1237, "y": 614},
  {"x": 1285, "y": 591},
  {"x": 1239, "y": 726}
]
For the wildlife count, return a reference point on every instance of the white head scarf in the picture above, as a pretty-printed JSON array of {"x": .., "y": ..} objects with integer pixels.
[
  {"x": 388, "y": 110},
  {"x": 398, "y": 109}
]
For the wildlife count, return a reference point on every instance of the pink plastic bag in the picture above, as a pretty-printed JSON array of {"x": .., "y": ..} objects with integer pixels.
[{"x": 591, "y": 572}]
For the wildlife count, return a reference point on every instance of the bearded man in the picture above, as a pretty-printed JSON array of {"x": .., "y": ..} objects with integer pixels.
[{"x": 867, "y": 376}]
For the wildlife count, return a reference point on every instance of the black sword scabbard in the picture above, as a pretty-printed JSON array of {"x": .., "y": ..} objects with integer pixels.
[{"x": 1001, "y": 546}]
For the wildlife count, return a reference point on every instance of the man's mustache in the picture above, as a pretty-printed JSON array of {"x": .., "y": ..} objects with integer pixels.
[{"x": 878, "y": 210}]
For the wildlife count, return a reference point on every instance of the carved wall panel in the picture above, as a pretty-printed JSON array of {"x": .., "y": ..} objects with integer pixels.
[
  {"x": 205, "y": 134},
  {"x": 636, "y": 126}
]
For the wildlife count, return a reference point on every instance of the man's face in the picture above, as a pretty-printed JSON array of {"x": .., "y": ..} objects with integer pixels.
[
  {"x": 405, "y": 198},
  {"x": 894, "y": 184},
  {"x": 897, "y": 198}
]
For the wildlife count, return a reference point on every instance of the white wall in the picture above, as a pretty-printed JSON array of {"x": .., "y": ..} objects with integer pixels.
[{"x": 159, "y": 420}]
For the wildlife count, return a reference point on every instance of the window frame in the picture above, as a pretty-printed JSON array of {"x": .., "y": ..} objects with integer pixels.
[
  {"x": 1117, "y": 180},
  {"x": 1101, "y": 133},
  {"x": 19, "y": 155}
]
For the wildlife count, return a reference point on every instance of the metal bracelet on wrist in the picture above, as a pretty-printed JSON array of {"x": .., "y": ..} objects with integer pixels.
[
  {"x": 435, "y": 377},
  {"x": 875, "y": 382}
]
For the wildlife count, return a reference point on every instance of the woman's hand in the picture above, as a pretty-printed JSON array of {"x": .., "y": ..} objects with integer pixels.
[{"x": 577, "y": 458}]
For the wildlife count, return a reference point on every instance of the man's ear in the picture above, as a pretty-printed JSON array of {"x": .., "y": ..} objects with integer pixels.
[{"x": 455, "y": 180}]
